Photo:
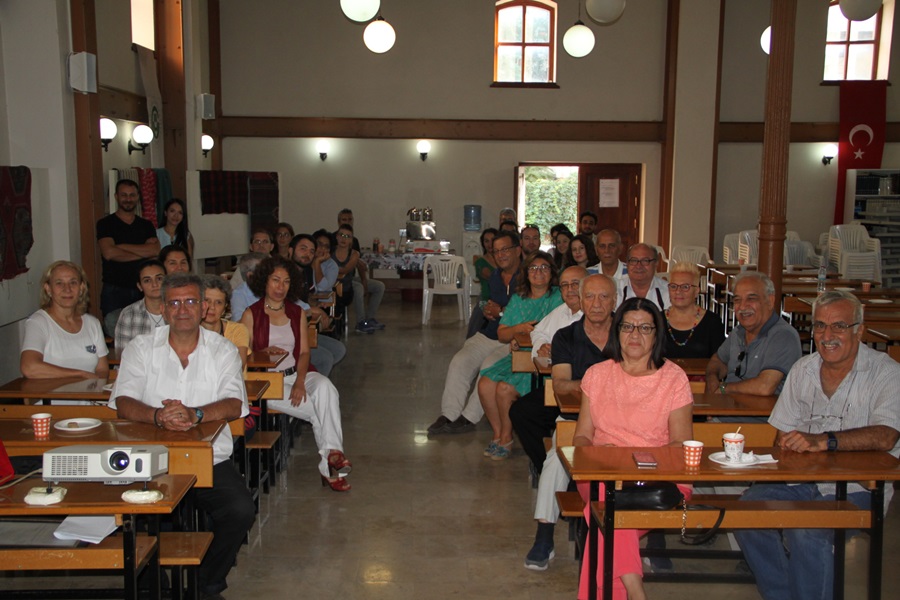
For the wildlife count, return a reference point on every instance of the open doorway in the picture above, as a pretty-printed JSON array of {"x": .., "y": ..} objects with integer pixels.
[{"x": 548, "y": 195}]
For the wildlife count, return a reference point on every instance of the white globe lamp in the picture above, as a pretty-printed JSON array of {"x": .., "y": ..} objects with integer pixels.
[
  {"x": 579, "y": 40},
  {"x": 379, "y": 36},
  {"x": 360, "y": 10},
  {"x": 604, "y": 11},
  {"x": 860, "y": 10}
]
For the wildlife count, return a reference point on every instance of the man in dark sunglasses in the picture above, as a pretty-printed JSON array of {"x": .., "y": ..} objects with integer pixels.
[{"x": 758, "y": 354}]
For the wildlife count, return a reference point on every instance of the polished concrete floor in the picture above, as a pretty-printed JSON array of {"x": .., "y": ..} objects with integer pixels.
[{"x": 427, "y": 518}]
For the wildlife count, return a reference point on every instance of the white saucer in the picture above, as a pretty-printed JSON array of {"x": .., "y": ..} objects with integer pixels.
[
  {"x": 747, "y": 460},
  {"x": 844, "y": 289},
  {"x": 806, "y": 279},
  {"x": 879, "y": 301},
  {"x": 76, "y": 425}
]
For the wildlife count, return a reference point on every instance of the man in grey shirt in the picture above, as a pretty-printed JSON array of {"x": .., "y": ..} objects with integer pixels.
[{"x": 842, "y": 398}]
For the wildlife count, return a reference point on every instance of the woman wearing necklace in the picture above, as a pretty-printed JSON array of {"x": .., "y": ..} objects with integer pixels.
[
  {"x": 692, "y": 331},
  {"x": 498, "y": 386},
  {"x": 60, "y": 339},
  {"x": 276, "y": 323},
  {"x": 174, "y": 230},
  {"x": 217, "y": 294},
  {"x": 145, "y": 315}
]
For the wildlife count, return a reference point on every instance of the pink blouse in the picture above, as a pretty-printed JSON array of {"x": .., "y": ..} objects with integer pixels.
[{"x": 634, "y": 411}]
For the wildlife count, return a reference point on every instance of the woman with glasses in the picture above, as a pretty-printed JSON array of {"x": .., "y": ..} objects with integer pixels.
[
  {"x": 284, "y": 233},
  {"x": 636, "y": 399},
  {"x": 582, "y": 252},
  {"x": 276, "y": 323},
  {"x": 691, "y": 330},
  {"x": 498, "y": 386},
  {"x": 217, "y": 294}
]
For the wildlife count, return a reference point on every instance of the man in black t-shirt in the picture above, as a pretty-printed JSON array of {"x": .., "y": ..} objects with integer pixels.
[{"x": 125, "y": 240}]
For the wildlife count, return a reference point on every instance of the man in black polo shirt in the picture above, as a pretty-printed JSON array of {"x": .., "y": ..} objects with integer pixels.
[
  {"x": 574, "y": 350},
  {"x": 125, "y": 240}
]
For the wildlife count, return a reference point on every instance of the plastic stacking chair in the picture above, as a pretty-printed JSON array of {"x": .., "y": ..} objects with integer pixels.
[
  {"x": 451, "y": 277},
  {"x": 853, "y": 253},
  {"x": 663, "y": 261},
  {"x": 730, "y": 248},
  {"x": 748, "y": 246},
  {"x": 692, "y": 254}
]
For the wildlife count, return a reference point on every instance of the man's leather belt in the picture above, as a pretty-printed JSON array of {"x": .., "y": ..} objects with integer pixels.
[{"x": 289, "y": 372}]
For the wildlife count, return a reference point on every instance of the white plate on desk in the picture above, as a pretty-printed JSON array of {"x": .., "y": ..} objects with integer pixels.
[
  {"x": 879, "y": 301},
  {"x": 77, "y": 425},
  {"x": 844, "y": 289},
  {"x": 806, "y": 279},
  {"x": 747, "y": 460}
]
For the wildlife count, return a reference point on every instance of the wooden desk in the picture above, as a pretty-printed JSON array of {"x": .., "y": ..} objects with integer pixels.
[
  {"x": 611, "y": 465},
  {"x": 96, "y": 499},
  {"x": 190, "y": 452},
  {"x": 524, "y": 340},
  {"x": 263, "y": 361},
  {"x": 692, "y": 366},
  {"x": 891, "y": 335},
  {"x": 732, "y": 405}
]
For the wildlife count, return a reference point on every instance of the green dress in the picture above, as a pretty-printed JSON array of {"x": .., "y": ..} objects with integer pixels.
[
  {"x": 520, "y": 310},
  {"x": 480, "y": 265}
]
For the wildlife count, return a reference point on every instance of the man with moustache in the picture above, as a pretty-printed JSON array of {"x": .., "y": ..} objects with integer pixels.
[
  {"x": 574, "y": 350},
  {"x": 609, "y": 244},
  {"x": 841, "y": 398},
  {"x": 125, "y": 241},
  {"x": 460, "y": 404},
  {"x": 641, "y": 281},
  {"x": 587, "y": 224},
  {"x": 757, "y": 355}
]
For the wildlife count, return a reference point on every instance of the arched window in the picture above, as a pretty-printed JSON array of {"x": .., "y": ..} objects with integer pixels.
[
  {"x": 525, "y": 41},
  {"x": 854, "y": 49}
]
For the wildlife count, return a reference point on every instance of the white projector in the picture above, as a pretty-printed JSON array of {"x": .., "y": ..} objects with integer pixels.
[{"x": 113, "y": 465}]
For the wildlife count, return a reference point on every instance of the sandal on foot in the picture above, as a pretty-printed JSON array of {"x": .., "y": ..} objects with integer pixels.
[
  {"x": 491, "y": 448},
  {"x": 338, "y": 463},
  {"x": 339, "y": 484},
  {"x": 502, "y": 452}
]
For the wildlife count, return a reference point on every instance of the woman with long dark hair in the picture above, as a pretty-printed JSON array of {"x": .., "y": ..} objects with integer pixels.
[{"x": 174, "y": 229}]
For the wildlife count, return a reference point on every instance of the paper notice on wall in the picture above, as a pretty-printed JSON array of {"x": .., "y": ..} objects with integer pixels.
[{"x": 609, "y": 193}]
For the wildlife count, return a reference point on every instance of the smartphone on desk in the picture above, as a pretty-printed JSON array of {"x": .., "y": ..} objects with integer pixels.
[{"x": 644, "y": 460}]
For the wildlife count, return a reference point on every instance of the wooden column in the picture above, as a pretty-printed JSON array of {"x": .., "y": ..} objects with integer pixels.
[
  {"x": 88, "y": 157},
  {"x": 170, "y": 63},
  {"x": 776, "y": 142},
  {"x": 667, "y": 162},
  {"x": 215, "y": 78}
]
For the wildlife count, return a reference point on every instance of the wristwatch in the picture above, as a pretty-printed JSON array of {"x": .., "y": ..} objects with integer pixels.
[
  {"x": 832, "y": 441},
  {"x": 199, "y": 413}
]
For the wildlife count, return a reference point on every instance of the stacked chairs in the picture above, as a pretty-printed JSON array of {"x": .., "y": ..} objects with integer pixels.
[
  {"x": 451, "y": 277},
  {"x": 730, "y": 248},
  {"x": 852, "y": 253}
]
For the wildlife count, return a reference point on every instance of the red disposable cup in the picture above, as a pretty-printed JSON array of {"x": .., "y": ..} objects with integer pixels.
[
  {"x": 693, "y": 452},
  {"x": 41, "y": 424}
]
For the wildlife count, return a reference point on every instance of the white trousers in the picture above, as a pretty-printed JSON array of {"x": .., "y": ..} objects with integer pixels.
[
  {"x": 321, "y": 408},
  {"x": 553, "y": 479},
  {"x": 459, "y": 397}
]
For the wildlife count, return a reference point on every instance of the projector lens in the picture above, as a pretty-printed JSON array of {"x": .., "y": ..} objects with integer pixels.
[{"x": 119, "y": 461}]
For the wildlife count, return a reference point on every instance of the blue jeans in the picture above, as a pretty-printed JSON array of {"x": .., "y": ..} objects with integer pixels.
[{"x": 792, "y": 564}]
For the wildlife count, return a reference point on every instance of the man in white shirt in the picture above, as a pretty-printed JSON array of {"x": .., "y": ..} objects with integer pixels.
[
  {"x": 181, "y": 375},
  {"x": 641, "y": 281},
  {"x": 609, "y": 245}
]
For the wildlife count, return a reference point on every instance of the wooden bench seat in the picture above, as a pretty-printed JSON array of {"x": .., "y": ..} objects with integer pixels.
[
  {"x": 183, "y": 551},
  {"x": 108, "y": 554},
  {"x": 262, "y": 448}
]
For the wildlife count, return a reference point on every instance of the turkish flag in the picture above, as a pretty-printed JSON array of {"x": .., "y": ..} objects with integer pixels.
[{"x": 861, "y": 141}]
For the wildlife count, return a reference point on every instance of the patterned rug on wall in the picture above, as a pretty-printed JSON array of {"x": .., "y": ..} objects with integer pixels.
[{"x": 16, "y": 235}]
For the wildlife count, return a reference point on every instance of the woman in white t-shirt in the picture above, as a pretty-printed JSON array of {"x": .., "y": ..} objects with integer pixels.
[{"x": 60, "y": 339}]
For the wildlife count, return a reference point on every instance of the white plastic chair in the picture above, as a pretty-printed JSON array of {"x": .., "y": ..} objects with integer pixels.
[
  {"x": 693, "y": 254},
  {"x": 853, "y": 253},
  {"x": 799, "y": 252},
  {"x": 445, "y": 270},
  {"x": 748, "y": 246},
  {"x": 730, "y": 248},
  {"x": 662, "y": 258}
]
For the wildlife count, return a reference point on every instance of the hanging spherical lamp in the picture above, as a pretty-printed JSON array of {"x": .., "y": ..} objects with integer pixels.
[
  {"x": 360, "y": 10},
  {"x": 604, "y": 11},
  {"x": 379, "y": 36},
  {"x": 860, "y": 10},
  {"x": 579, "y": 40},
  {"x": 765, "y": 40}
]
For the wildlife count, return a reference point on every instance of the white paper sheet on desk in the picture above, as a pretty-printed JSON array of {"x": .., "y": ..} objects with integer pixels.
[
  {"x": 92, "y": 529},
  {"x": 765, "y": 459}
]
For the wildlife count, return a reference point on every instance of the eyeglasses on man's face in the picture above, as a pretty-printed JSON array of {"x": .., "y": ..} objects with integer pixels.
[
  {"x": 574, "y": 285},
  {"x": 838, "y": 328},
  {"x": 684, "y": 287},
  {"x": 646, "y": 262},
  {"x": 506, "y": 250},
  {"x": 643, "y": 328},
  {"x": 178, "y": 303}
]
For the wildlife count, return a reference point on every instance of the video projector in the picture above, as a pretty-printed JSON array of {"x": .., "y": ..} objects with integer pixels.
[{"x": 113, "y": 465}]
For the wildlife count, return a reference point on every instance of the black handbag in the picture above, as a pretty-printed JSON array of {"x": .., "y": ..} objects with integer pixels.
[{"x": 648, "y": 495}]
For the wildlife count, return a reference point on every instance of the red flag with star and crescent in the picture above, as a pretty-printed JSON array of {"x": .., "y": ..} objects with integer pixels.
[{"x": 861, "y": 142}]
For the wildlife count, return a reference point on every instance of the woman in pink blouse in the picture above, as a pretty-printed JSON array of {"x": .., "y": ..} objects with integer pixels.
[{"x": 636, "y": 399}]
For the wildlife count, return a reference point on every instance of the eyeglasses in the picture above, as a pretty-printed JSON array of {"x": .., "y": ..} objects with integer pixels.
[
  {"x": 345, "y": 235},
  {"x": 839, "y": 328},
  {"x": 506, "y": 250},
  {"x": 260, "y": 242},
  {"x": 539, "y": 268},
  {"x": 684, "y": 287},
  {"x": 641, "y": 261},
  {"x": 827, "y": 422},
  {"x": 570, "y": 284},
  {"x": 178, "y": 303},
  {"x": 644, "y": 328},
  {"x": 740, "y": 366}
]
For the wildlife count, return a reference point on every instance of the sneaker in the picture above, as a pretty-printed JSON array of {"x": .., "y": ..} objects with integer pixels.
[
  {"x": 364, "y": 327},
  {"x": 538, "y": 558},
  {"x": 491, "y": 448},
  {"x": 461, "y": 425},
  {"x": 375, "y": 324},
  {"x": 439, "y": 426},
  {"x": 502, "y": 452}
]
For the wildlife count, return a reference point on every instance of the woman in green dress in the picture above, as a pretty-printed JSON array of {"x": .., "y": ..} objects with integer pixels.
[{"x": 498, "y": 386}]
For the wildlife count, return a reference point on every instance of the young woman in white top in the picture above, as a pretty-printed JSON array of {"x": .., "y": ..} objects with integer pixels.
[
  {"x": 174, "y": 228},
  {"x": 60, "y": 339}
]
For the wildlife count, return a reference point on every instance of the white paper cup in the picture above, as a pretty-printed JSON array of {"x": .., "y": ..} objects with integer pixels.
[
  {"x": 41, "y": 424},
  {"x": 734, "y": 446},
  {"x": 790, "y": 268},
  {"x": 693, "y": 452}
]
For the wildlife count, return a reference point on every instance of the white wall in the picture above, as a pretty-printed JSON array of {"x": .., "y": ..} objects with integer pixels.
[{"x": 117, "y": 64}]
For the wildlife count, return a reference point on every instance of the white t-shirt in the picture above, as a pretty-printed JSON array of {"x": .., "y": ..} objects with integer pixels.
[{"x": 80, "y": 350}]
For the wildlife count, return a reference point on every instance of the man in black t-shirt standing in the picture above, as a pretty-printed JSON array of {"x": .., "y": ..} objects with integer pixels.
[{"x": 125, "y": 240}]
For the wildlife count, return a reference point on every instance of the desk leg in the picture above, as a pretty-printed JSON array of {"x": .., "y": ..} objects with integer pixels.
[
  {"x": 593, "y": 532},
  {"x": 609, "y": 534},
  {"x": 840, "y": 547},
  {"x": 129, "y": 555},
  {"x": 876, "y": 540},
  {"x": 153, "y": 568}
]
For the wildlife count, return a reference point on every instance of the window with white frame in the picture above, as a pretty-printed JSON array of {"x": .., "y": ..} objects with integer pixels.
[
  {"x": 857, "y": 50},
  {"x": 524, "y": 41}
]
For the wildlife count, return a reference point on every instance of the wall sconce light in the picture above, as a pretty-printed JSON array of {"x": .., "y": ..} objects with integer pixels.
[
  {"x": 206, "y": 144},
  {"x": 142, "y": 136},
  {"x": 423, "y": 148},
  {"x": 108, "y": 131},
  {"x": 322, "y": 147},
  {"x": 379, "y": 36},
  {"x": 830, "y": 152}
]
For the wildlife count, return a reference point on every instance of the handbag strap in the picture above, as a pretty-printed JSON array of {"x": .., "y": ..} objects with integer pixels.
[{"x": 705, "y": 536}]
